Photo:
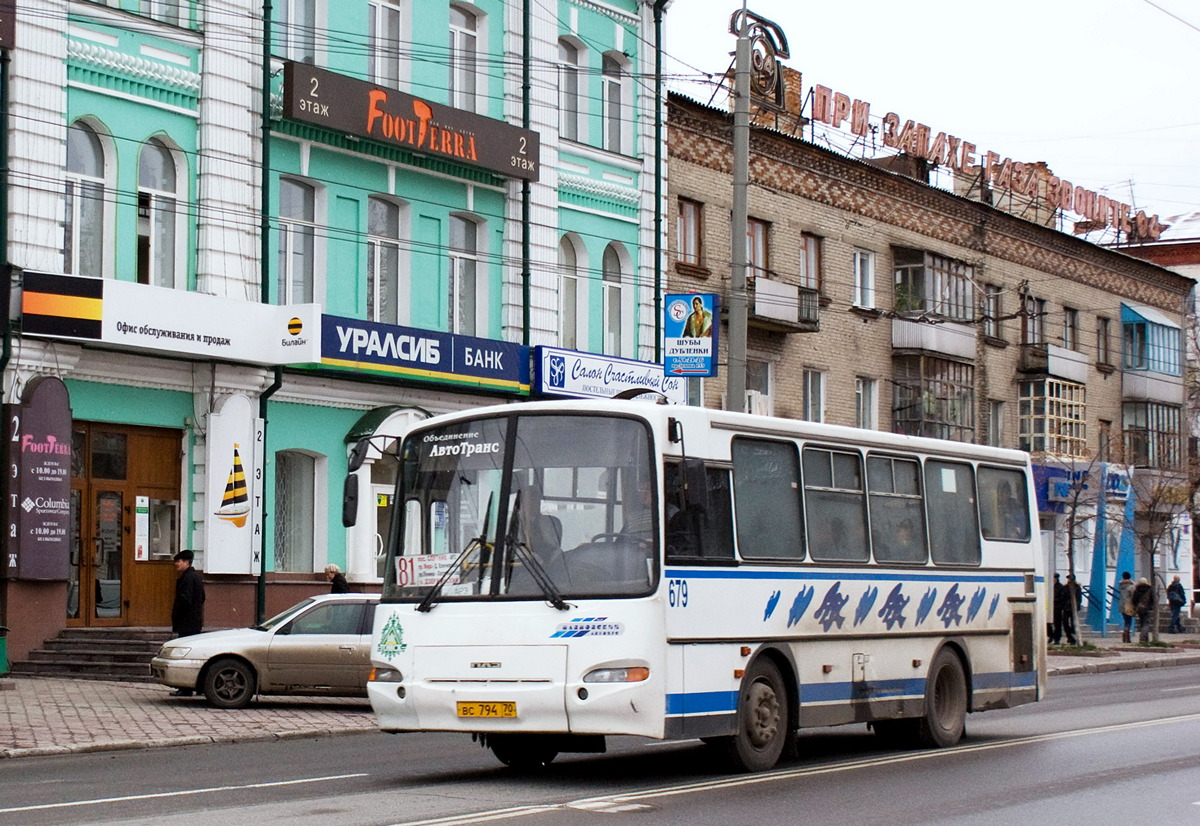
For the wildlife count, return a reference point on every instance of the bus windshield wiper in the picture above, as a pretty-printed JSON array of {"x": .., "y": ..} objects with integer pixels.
[
  {"x": 475, "y": 542},
  {"x": 530, "y": 560}
]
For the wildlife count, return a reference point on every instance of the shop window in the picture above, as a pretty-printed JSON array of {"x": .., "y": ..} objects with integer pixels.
[{"x": 295, "y": 507}]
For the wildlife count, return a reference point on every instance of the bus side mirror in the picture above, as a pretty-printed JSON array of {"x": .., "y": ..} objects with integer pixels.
[
  {"x": 694, "y": 479},
  {"x": 358, "y": 454},
  {"x": 350, "y": 500}
]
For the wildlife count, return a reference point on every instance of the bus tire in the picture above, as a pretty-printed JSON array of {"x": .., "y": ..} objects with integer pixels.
[
  {"x": 523, "y": 752},
  {"x": 945, "y": 702},
  {"x": 762, "y": 719}
]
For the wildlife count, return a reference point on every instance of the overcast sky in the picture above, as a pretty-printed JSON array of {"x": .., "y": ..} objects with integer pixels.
[{"x": 1105, "y": 91}]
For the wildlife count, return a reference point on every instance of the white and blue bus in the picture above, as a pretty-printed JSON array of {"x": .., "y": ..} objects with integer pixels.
[{"x": 562, "y": 571}]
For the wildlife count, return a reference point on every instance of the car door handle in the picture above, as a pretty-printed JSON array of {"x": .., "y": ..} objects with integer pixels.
[{"x": 349, "y": 648}]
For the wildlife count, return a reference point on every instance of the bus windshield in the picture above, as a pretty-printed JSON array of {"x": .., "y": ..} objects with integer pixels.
[{"x": 531, "y": 506}]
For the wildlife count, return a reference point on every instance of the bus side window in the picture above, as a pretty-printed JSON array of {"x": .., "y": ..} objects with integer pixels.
[
  {"x": 766, "y": 490},
  {"x": 835, "y": 505},
  {"x": 1003, "y": 504},
  {"x": 953, "y": 518},
  {"x": 699, "y": 533}
]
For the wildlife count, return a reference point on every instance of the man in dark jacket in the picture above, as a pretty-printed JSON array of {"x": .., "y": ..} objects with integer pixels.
[
  {"x": 1177, "y": 599},
  {"x": 1143, "y": 606},
  {"x": 187, "y": 614}
]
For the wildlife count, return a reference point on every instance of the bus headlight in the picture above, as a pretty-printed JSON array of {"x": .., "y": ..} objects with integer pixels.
[
  {"x": 385, "y": 675},
  {"x": 636, "y": 674}
]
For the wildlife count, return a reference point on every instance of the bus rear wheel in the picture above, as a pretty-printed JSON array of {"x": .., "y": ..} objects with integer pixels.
[
  {"x": 523, "y": 752},
  {"x": 762, "y": 720},
  {"x": 945, "y": 716}
]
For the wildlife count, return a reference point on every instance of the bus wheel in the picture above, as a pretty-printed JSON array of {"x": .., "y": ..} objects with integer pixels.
[
  {"x": 762, "y": 724},
  {"x": 523, "y": 752},
  {"x": 945, "y": 702}
]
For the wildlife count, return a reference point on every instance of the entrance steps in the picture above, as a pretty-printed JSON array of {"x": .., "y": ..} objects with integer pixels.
[{"x": 121, "y": 654}]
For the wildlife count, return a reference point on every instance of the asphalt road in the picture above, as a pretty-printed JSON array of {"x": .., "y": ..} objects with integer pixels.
[{"x": 1098, "y": 748}]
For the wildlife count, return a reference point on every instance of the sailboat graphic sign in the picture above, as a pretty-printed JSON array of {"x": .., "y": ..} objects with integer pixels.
[{"x": 235, "y": 504}]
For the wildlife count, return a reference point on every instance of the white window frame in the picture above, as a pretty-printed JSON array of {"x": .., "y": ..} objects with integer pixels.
[
  {"x": 164, "y": 211},
  {"x": 813, "y": 401},
  {"x": 614, "y": 325},
  {"x": 758, "y": 248},
  {"x": 863, "y": 279},
  {"x": 572, "y": 96},
  {"x": 810, "y": 261},
  {"x": 992, "y": 307},
  {"x": 1070, "y": 328},
  {"x": 617, "y": 103},
  {"x": 379, "y": 243},
  {"x": 296, "y": 29},
  {"x": 866, "y": 403},
  {"x": 467, "y": 80},
  {"x": 292, "y": 231},
  {"x": 175, "y": 12},
  {"x": 76, "y": 217},
  {"x": 689, "y": 232},
  {"x": 388, "y": 51},
  {"x": 571, "y": 292},
  {"x": 467, "y": 275},
  {"x": 308, "y": 521},
  {"x": 995, "y": 423},
  {"x": 759, "y": 386}
]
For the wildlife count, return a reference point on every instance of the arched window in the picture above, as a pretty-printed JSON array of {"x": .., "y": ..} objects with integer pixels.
[
  {"x": 614, "y": 303},
  {"x": 383, "y": 260},
  {"x": 465, "y": 233},
  {"x": 569, "y": 108},
  {"x": 297, "y": 241},
  {"x": 83, "y": 231},
  {"x": 158, "y": 234},
  {"x": 569, "y": 293},
  {"x": 464, "y": 56}
]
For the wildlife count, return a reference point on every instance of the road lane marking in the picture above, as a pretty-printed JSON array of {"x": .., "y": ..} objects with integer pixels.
[
  {"x": 628, "y": 798},
  {"x": 1182, "y": 688},
  {"x": 179, "y": 793}
]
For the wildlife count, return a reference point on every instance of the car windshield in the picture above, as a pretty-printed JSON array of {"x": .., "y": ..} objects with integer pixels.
[
  {"x": 537, "y": 506},
  {"x": 283, "y": 617}
]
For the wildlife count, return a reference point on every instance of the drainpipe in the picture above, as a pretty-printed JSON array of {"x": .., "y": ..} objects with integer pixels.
[
  {"x": 4, "y": 268},
  {"x": 658, "y": 178},
  {"x": 526, "y": 88},
  {"x": 265, "y": 292}
]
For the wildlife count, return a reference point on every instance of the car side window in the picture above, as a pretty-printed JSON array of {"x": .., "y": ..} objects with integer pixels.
[{"x": 330, "y": 618}]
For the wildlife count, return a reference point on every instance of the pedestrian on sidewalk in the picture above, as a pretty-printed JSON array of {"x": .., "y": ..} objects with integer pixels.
[
  {"x": 337, "y": 580},
  {"x": 1074, "y": 595},
  {"x": 1177, "y": 599},
  {"x": 1143, "y": 606},
  {"x": 1125, "y": 604},
  {"x": 1059, "y": 595},
  {"x": 187, "y": 613}
]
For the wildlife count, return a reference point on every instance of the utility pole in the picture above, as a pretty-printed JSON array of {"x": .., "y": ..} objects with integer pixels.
[{"x": 735, "y": 382}]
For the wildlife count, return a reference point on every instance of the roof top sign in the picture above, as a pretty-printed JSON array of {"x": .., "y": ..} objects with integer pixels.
[{"x": 356, "y": 107}]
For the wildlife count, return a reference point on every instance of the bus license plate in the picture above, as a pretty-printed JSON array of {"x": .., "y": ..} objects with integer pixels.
[{"x": 487, "y": 709}]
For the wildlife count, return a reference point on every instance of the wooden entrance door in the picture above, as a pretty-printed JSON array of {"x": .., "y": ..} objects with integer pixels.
[{"x": 125, "y": 502}]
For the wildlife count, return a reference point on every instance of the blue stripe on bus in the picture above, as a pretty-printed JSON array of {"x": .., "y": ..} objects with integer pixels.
[
  {"x": 709, "y": 702},
  {"x": 745, "y": 573}
]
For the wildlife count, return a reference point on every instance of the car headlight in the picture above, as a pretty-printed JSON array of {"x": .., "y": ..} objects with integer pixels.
[
  {"x": 636, "y": 674},
  {"x": 385, "y": 675},
  {"x": 177, "y": 653}
]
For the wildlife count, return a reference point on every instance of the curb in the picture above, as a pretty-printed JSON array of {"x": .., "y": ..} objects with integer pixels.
[
  {"x": 191, "y": 740},
  {"x": 1105, "y": 666}
]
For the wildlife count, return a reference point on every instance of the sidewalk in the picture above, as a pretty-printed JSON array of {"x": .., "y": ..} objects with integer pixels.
[{"x": 43, "y": 716}]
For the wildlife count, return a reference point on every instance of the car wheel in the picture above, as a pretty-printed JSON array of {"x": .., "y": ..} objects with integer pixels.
[{"x": 230, "y": 683}]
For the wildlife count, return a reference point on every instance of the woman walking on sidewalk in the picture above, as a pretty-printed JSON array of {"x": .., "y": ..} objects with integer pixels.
[
  {"x": 1125, "y": 604},
  {"x": 1143, "y": 605}
]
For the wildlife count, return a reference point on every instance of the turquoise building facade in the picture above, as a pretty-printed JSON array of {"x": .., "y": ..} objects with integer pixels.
[{"x": 138, "y": 157}]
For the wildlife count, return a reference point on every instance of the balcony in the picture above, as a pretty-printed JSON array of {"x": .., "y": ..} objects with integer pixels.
[
  {"x": 1146, "y": 385},
  {"x": 947, "y": 338},
  {"x": 1052, "y": 360},
  {"x": 782, "y": 308}
]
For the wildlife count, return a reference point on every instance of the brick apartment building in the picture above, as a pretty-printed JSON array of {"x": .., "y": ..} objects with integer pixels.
[{"x": 877, "y": 300}]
